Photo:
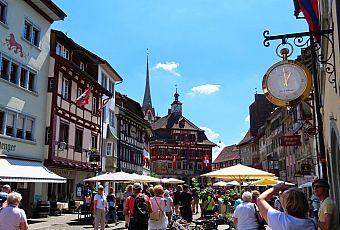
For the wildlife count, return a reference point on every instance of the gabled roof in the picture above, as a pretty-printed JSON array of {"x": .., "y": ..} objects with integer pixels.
[
  {"x": 228, "y": 153},
  {"x": 172, "y": 121},
  {"x": 47, "y": 9},
  {"x": 100, "y": 61},
  {"x": 246, "y": 139}
]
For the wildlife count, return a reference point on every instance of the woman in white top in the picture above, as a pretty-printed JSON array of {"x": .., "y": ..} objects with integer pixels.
[
  {"x": 158, "y": 203},
  {"x": 100, "y": 207},
  {"x": 294, "y": 204},
  {"x": 244, "y": 214}
]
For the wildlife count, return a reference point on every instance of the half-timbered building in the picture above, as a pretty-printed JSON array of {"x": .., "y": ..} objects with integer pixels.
[
  {"x": 73, "y": 131},
  {"x": 133, "y": 135},
  {"x": 179, "y": 148}
]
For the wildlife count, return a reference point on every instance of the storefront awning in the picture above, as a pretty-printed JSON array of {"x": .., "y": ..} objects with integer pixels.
[{"x": 14, "y": 170}]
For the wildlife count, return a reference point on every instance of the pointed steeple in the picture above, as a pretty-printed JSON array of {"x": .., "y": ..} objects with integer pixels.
[{"x": 147, "y": 104}]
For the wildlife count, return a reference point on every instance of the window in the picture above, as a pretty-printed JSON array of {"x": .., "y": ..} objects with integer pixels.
[
  {"x": 58, "y": 49},
  {"x": 50, "y": 84},
  {"x": 79, "y": 92},
  {"x": 14, "y": 73},
  {"x": 78, "y": 146},
  {"x": 66, "y": 53},
  {"x": 94, "y": 141},
  {"x": 16, "y": 125},
  {"x": 10, "y": 124},
  {"x": 35, "y": 36},
  {"x": 4, "y": 68},
  {"x": 17, "y": 74},
  {"x": 62, "y": 51},
  {"x": 65, "y": 88},
  {"x": 27, "y": 30},
  {"x": 109, "y": 149},
  {"x": 104, "y": 80},
  {"x": 3, "y": 11},
  {"x": 23, "y": 75},
  {"x": 29, "y": 128},
  {"x": 94, "y": 104},
  {"x": 47, "y": 135},
  {"x": 199, "y": 165},
  {"x": 82, "y": 66},
  {"x": 63, "y": 133},
  {"x": 20, "y": 127},
  {"x": 179, "y": 164},
  {"x": 111, "y": 86},
  {"x": 31, "y": 33},
  {"x": 31, "y": 80},
  {"x": 111, "y": 118},
  {"x": 169, "y": 165}
]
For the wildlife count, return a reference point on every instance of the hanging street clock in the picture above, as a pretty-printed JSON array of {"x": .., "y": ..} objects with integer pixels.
[{"x": 287, "y": 82}]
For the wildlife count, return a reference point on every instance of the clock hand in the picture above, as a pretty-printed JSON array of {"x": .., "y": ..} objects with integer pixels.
[{"x": 285, "y": 83}]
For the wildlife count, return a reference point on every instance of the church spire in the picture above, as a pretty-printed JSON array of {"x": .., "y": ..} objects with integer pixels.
[{"x": 147, "y": 104}]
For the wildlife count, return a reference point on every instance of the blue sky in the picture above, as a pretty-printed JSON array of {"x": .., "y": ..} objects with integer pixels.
[{"x": 211, "y": 49}]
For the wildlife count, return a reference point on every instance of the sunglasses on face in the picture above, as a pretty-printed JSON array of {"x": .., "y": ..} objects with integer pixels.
[{"x": 319, "y": 186}]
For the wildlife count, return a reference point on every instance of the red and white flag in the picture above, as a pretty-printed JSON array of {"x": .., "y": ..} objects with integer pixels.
[
  {"x": 205, "y": 161},
  {"x": 84, "y": 98},
  {"x": 174, "y": 160},
  {"x": 99, "y": 111}
]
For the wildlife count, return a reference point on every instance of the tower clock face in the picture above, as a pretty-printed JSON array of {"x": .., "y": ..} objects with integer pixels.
[{"x": 287, "y": 82}]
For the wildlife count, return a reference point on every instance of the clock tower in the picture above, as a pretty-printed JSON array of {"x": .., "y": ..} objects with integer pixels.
[{"x": 176, "y": 106}]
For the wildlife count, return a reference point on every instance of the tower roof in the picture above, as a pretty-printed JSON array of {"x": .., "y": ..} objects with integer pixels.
[{"x": 147, "y": 104}]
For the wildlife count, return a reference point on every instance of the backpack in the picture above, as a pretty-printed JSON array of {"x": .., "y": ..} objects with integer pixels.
[{"x": 141, "y": 210}]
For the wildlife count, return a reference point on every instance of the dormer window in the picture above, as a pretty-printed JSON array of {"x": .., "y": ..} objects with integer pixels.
[
  {"x": 62, "y": 51},
  {"x": 82, "y": 66}
]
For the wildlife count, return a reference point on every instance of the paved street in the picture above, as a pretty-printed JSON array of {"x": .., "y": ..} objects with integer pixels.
[{"x": 70, "y": 221}]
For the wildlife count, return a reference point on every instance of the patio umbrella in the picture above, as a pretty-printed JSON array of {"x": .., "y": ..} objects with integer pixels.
[
  {"x": 144, "y": 178},
  {"x": 306, "y": 185},
  {"x": 239, "y": 172},
  {"x": 220, "y": 183},
  {"x": 233, "y": 183},
  {"x": 171, "y": 181},
  {"x": 116, "y": 176},
  {"x": 272, "y": 182}
]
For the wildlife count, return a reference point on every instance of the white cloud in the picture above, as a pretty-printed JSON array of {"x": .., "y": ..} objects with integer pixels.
[
  {"x": 217, "y": 149},
  {"x": 247, "y": 119},
  {"x": 168, "y": 67},
  {"x": 211, "y": 135},
  {"x": 204, "y": 89}
]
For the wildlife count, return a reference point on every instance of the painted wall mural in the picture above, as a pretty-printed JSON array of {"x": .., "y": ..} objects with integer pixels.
[{"x": 12, "y": 44}]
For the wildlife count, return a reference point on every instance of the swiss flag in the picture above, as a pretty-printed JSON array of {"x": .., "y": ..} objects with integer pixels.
[
  {"x": 205, "y": 160},
  {"x": 173, "y": 157},
  {"x": 84, "y": 98}
]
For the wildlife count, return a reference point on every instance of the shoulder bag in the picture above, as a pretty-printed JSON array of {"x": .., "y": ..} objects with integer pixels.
[
  {"x": 260, "y": 222},
  {"x": 156, "y": 215}
]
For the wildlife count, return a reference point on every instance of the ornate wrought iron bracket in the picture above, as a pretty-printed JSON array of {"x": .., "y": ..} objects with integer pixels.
[{"x": 306, "y": 39}]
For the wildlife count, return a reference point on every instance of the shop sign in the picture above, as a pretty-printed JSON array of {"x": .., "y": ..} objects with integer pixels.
[
  {"x": 94, "y": 158},
  {"x": 306, "y": 169},
  {"x": 7, "y": 147},
  {"x": 312, "y": 131},
  {"x": 291, "y": 140}
]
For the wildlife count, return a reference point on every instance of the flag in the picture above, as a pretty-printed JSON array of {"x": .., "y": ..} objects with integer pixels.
[
  {"x": 187, "y": 153},
  {"x": 99, "y": 111},
  {"x": 206, "y": 161},
  {"x": 174, "y": 160},
  {"x": 84, "y": 98},
  {"x": 310, "y": 9}
]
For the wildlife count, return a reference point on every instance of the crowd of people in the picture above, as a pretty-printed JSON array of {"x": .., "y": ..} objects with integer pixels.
[{"x": 152, "y": 207}]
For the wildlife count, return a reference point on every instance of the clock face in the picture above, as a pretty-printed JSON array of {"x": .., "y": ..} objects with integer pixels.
[{"x": 286, "y": 82}]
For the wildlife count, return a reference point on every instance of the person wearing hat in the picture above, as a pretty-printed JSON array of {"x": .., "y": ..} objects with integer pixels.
[
  {"x": 130, "y": 206},
  {"x": 100, "y": 207},
  {"x": 328, "y": 212}
]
